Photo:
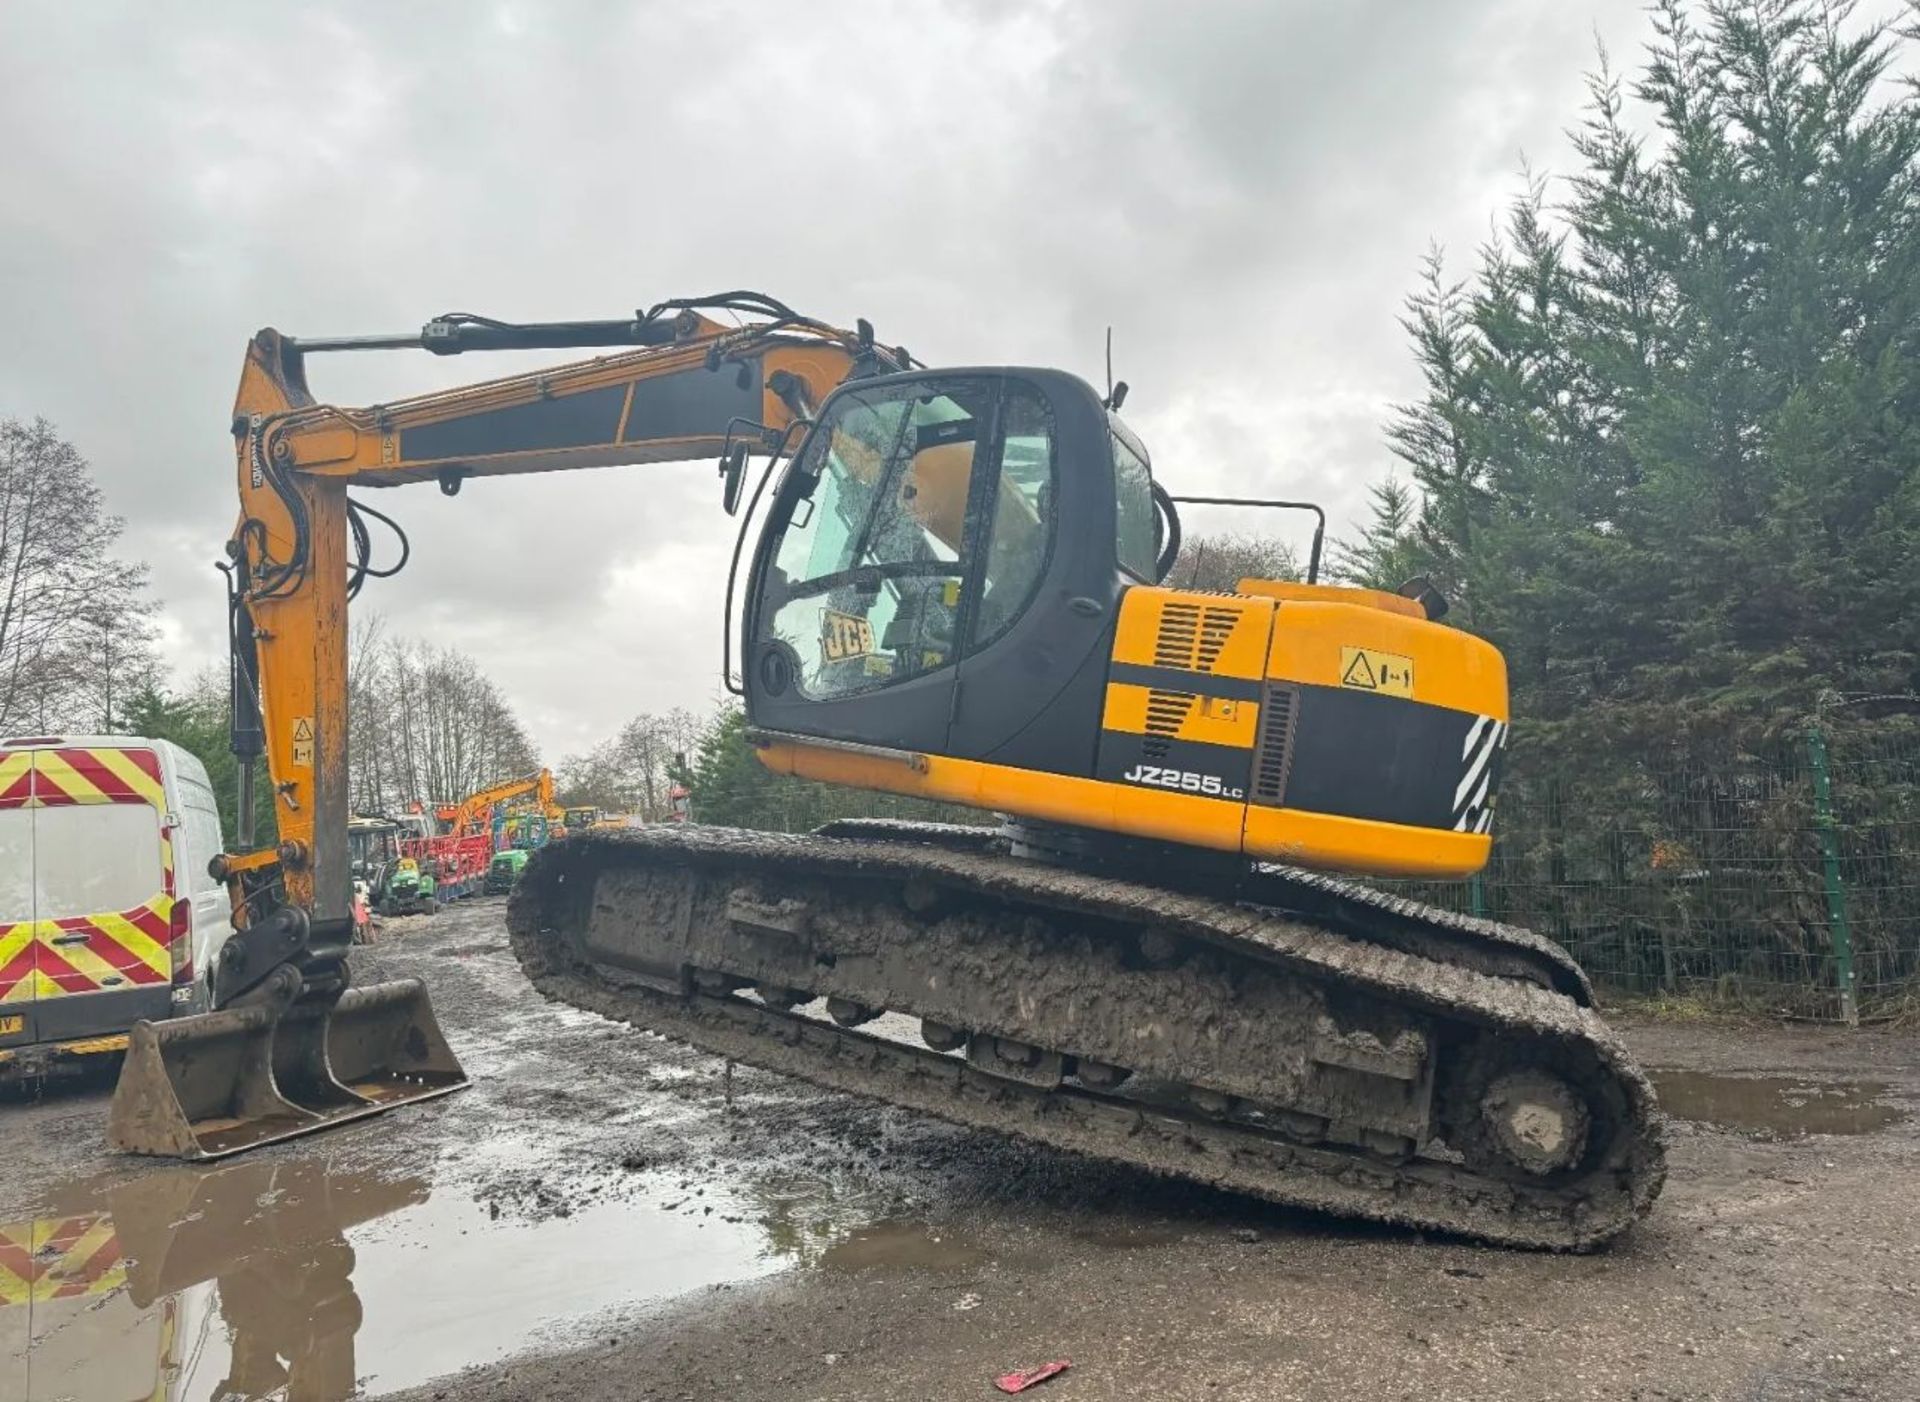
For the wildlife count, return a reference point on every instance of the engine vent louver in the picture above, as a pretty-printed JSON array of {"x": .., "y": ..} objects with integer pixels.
[
  {"x": 1191, "y": 637},
  {"x": 1166, "y": 712},
  {"x": 1274, "y": 754}
]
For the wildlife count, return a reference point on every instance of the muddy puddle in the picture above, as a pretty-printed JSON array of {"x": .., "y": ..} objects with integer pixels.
[
  {"x": 902, "y": 1246},
  {"x": 290, "y": 1278},
  {"x": 1785, "y": 1107}
]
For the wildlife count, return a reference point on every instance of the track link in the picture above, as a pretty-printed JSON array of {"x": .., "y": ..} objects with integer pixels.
[{"x": 1329, "y": 1071}]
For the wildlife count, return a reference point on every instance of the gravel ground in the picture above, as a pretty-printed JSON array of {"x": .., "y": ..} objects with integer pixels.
[{"x": 607, "y": 1215}]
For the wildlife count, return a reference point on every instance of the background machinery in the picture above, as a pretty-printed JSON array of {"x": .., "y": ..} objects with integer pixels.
[
  {"x": 478, "y": 812},
  {"x": 953, "y": 593}
]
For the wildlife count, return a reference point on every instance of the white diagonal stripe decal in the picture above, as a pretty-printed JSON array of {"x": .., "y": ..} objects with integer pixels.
[
  {"x": 1473, "y": 735},
  {"x": 1476, "y": 770}
]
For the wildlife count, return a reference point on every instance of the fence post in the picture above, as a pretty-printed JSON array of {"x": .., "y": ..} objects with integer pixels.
[
  {"x": 1477, "y": 894},
  {"x": 1830, "y": 863}
]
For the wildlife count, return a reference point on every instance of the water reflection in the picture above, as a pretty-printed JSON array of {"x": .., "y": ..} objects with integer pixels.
[
  {"x": 114, "y": 1291},
  {"x": 295, "y": 1279}
]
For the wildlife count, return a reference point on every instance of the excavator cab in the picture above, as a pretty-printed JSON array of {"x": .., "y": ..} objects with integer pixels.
[
  {"x": 940, "y": 567},
  {"x": 957, "y": 596}
]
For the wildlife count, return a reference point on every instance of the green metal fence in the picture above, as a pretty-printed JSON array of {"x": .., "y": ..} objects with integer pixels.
[{"x": 1783, "y": 876}]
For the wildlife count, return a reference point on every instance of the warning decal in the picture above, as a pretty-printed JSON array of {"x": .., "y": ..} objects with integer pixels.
[
  {"x": 1365, "y": 669},
  {"x": 303, "y": 741}
]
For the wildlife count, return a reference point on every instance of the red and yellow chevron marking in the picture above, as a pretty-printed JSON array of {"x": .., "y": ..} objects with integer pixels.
[
  {"x": 97, "y": 776},
  {"x": 16, "y": 778},
  {"x": 129, "y": 946},
  {"x": 59, "y": 1258}
]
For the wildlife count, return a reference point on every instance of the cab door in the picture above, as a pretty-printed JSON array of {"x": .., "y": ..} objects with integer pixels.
[
  {"x": 854, "y": 632},
  {"x": 1044, "y": 592}
]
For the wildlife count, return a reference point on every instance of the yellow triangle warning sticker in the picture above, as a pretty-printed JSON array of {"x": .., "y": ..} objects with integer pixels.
[
  {"x": 1368, "y": 669},
  {"x": 302, "y": 744}
]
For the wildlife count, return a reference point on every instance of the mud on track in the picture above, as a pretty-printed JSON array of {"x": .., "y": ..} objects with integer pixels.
[{"x": 594, "y": 1219}]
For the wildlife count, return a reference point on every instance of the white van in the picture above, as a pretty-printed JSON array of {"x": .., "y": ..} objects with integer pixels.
[{"x": 107, "y": 913}]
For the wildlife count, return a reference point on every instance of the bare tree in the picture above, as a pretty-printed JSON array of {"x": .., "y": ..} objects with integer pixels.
[
  {"x": 632, "y": 771},
  {"x": 425, "y": 724},
  {"x": 1218, "y": 562},
  {"x": 75, "y": 625}
]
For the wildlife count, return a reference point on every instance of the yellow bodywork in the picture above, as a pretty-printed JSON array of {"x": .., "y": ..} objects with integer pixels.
[{"x": 1268, "y": 632}]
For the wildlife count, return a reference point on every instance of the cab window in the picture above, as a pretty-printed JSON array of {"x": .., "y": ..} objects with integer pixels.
[
  {"x": 1020, "y": 514},
  {"x": 1133, "y": 506}
]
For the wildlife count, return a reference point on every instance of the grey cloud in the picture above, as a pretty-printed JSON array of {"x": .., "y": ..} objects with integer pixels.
[{"x": 1241, "y": 190}]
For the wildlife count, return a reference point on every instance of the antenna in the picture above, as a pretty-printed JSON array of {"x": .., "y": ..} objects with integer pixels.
[{"x": 1116, "y": 393}]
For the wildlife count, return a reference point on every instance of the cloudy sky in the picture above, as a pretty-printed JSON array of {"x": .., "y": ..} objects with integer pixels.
[{"x": 1242, "y": 191}]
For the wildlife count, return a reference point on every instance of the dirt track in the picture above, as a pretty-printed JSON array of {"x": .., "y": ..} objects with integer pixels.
[{"x": 595, "y": 1219}]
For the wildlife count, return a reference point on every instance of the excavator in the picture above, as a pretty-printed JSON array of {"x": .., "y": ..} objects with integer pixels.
[
  {"x": 1152, "y": 952},
  {"x": 474, "y": 814}
]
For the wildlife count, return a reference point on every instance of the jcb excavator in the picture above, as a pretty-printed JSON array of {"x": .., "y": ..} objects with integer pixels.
[
  {"x": 474, "y": 813},
  {"x": 953, "y": 593}
]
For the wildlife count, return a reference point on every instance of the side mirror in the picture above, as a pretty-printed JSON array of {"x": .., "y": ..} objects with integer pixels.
[
  {"x": 733, "y": 473},
  {"x": 1422, "y": 591}
]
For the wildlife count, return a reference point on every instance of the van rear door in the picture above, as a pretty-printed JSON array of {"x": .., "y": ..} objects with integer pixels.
[{"x": 103, "y": 890}]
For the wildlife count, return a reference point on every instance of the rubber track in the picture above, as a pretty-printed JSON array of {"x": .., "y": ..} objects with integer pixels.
[{"x": 1420, "y": 1193}]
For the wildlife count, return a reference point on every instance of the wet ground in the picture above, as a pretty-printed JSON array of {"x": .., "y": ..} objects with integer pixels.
[{"x": 606, "y": 1215}]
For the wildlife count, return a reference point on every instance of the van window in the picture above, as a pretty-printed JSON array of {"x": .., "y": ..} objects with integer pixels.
[
  {"x": 92, "y": 858},
  {"x": 16, "y": 865},
  {"x": 203, "y": 841}
]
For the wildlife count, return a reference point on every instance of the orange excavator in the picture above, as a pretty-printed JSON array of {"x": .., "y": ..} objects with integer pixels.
[
  {"x": 953, "y": 592},
  {"x": 473, "y": 815}
]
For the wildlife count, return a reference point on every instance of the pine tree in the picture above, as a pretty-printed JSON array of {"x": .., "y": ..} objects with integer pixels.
[
  {"x": 1667, "y": 448},
  {"x": 1387, "y": 553}
]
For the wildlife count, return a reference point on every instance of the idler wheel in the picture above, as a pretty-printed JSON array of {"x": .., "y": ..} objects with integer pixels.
[{"x": 1535, "y": 1120}]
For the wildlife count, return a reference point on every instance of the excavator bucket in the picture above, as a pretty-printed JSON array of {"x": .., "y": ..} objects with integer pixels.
[{"x": 220, "y": 1083}]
